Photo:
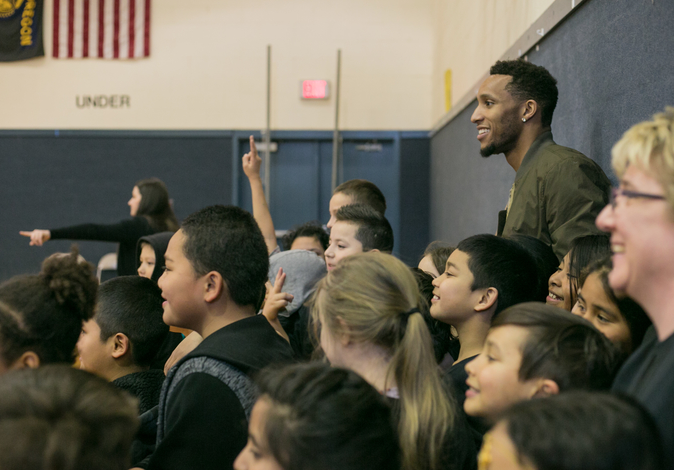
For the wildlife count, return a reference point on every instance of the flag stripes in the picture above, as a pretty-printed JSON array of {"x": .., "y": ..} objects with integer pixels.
[{"x": 109, "y": 29}]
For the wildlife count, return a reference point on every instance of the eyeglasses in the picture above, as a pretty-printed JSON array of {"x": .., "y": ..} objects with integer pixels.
[{"x": 615, "y": 192}]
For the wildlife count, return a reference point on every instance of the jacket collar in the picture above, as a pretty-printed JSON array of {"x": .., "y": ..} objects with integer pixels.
[{"x": 541, "y": 141}]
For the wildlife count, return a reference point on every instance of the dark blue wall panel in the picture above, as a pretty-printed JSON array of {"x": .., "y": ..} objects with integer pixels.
[{"x": 48, "y": 181}]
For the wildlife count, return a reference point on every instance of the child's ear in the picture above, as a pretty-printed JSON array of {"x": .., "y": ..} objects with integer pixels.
[
  {"x": 373, "y": 250},
  {"x": 344, "y": 336},
  {"x": 487, "y": 300},
  {"x": 120, "y": 345},
  {"x": 546, "y": 388},
  {"x": 214, "y": 286},
  {"x": 27, "y": 360}
]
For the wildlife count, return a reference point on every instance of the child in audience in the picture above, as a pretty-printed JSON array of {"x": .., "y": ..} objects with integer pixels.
[
  {"x": 57, "y": 417},
  {"x": 483, "y": 276},
  {"x": 356, "y": 191},
  {"x": 368, "y": 312},
  {"x": 294, "y": 275},
  {"x": 309, "y": 236},
  {"x": 536, "y": 350},
  {"x": 351, "y": 192},
  {"x": 216, "y": 268},
  {"x": 125, "y": 334},
  {"x": 41, "y": 315},
  {"x": 563, "y": 284},
  {"x": 435, "y": 258},
  {"x": 621, "y": 319},
  {"x": 150, "y": 255},
  {"x": 574, "y": 431},
  {"x": 545, "y": 258},
  {"x": 316, "y": 417},
  {"x": 445, "y": 344},
  {"x": 357, "y": 228}
]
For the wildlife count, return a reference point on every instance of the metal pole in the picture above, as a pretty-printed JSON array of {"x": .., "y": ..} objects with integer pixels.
[
  {"x": 267, "y": 131},
  {"x": 335, "y": 134}
]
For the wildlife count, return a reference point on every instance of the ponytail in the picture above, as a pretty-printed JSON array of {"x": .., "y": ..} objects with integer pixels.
[
  {"x": 374, "y": 298},
  {"x": 426, "y": 412}
]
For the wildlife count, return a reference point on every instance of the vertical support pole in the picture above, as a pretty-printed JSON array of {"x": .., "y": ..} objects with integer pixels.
[
  {"x": 267, "y": 131},
  {"x": 335, "y": 134}
]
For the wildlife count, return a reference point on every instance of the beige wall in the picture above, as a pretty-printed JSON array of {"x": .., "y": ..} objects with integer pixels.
[
  {"x": 207, "y": 69},
  {"x": 470, "y": 35}
]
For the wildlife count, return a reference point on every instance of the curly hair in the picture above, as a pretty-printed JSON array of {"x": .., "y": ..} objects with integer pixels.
[
  {"x": 43, "y": 313},
  {"x": 530, "y": 82}
]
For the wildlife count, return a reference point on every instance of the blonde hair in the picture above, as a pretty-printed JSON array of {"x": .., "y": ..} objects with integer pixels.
[
  {"x": 375, "y": 296},
  {"x": 650, "y": 146}
]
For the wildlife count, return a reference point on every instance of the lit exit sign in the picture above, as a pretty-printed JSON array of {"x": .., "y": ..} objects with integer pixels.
[{"x": 315, "y": 89}]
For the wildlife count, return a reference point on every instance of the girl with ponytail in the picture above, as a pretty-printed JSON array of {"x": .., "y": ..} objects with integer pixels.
[
  {"x": 41, "y": 315},
  {"x": 368, "y": 310}
]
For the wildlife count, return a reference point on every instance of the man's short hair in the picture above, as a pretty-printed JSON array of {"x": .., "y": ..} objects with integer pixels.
[
  {"x": 530, "y": 82},
  {"x": 374, "y": 232},
  {"x": 649, "y": 146},
  {"x": 563, "y": 347},
  {"x": 132, "y": 305},
  {"x": 56, "y": 416},
  {"x": 363, "y": 192},
  {"x": 311, "y": 230},
  {"x": 227, "y": 239},
  {"x": 502, "y": 264}
]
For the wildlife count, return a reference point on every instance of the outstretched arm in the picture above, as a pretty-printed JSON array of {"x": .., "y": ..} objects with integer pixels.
[
  {"x": 37, "y": 237},
  {"x": 251, "y": 167}
]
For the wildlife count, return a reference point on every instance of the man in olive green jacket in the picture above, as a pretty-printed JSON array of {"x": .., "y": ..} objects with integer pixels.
[{"x": 558, "y": 192}]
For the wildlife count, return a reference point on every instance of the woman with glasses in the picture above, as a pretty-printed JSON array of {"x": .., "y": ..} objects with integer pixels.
[{"x": 641, "y": 224}]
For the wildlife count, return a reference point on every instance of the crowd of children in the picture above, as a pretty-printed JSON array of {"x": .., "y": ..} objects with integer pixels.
[{"x": 334, "y": 354}]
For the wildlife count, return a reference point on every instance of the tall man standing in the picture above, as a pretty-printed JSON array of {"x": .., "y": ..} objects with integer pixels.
[{"x": 558, "y": 192}]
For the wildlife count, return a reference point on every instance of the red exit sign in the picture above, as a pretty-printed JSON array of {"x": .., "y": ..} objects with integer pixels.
[{"x": 314, "y": 89}]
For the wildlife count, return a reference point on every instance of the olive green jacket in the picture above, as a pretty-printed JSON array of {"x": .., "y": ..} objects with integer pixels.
[{"x": 558, "y": 193}]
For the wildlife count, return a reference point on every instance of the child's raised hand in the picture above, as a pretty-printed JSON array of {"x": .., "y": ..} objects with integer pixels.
[
  {"x": 251, "y": 161},
  {"x": 276, "y": 300}
]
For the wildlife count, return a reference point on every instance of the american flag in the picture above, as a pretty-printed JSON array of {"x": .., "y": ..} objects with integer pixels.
[{"x": 107, "y": 29}]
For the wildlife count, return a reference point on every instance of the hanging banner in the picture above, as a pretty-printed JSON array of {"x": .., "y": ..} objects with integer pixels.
[{"x": 20, "y": 29}]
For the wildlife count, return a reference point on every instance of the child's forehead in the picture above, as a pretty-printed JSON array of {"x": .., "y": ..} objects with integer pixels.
[
  {"x": 507, "y": 337},
  {"x": 458, "y": 258},
  {"x": 344, "y": 229}
]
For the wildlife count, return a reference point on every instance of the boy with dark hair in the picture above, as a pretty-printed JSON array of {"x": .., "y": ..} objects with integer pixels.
[
  {"x": 558, "y": 192},
  {"x": 358, "y": 228},
  {"x": 216, "y": 268},
  {"x": 120, "y": 342},
  {"x": 309, "y": 236},
  {"x": 483, "y": 276},
  {"x": 533, "y": 350},
  {"x": 59, "y": 417},
  {"x": 357, "y": 191}
]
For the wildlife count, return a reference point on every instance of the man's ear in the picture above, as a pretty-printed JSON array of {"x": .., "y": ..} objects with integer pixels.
[
  {"x": 120, "y": 345},
  {"x": 214, "y": 286},
  {"x": 27, "y": 360},
  {"x": 546, "y": 388},
  {"x": 487, "y": 300},
  {"x": 530, "y": 109}
]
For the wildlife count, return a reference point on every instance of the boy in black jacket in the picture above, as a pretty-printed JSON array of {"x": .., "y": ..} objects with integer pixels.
[{"x": 216, "y": 267}]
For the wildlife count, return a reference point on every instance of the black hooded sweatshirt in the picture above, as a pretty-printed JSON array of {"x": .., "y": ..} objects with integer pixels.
[
  {"x": 202, "y": 421},
  {"x": 159, "y": 243}
]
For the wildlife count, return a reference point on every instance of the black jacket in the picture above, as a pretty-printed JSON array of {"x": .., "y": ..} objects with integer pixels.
[
  {"x": 126, "y": 233},
  {"x": 202, "y": 423}
]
